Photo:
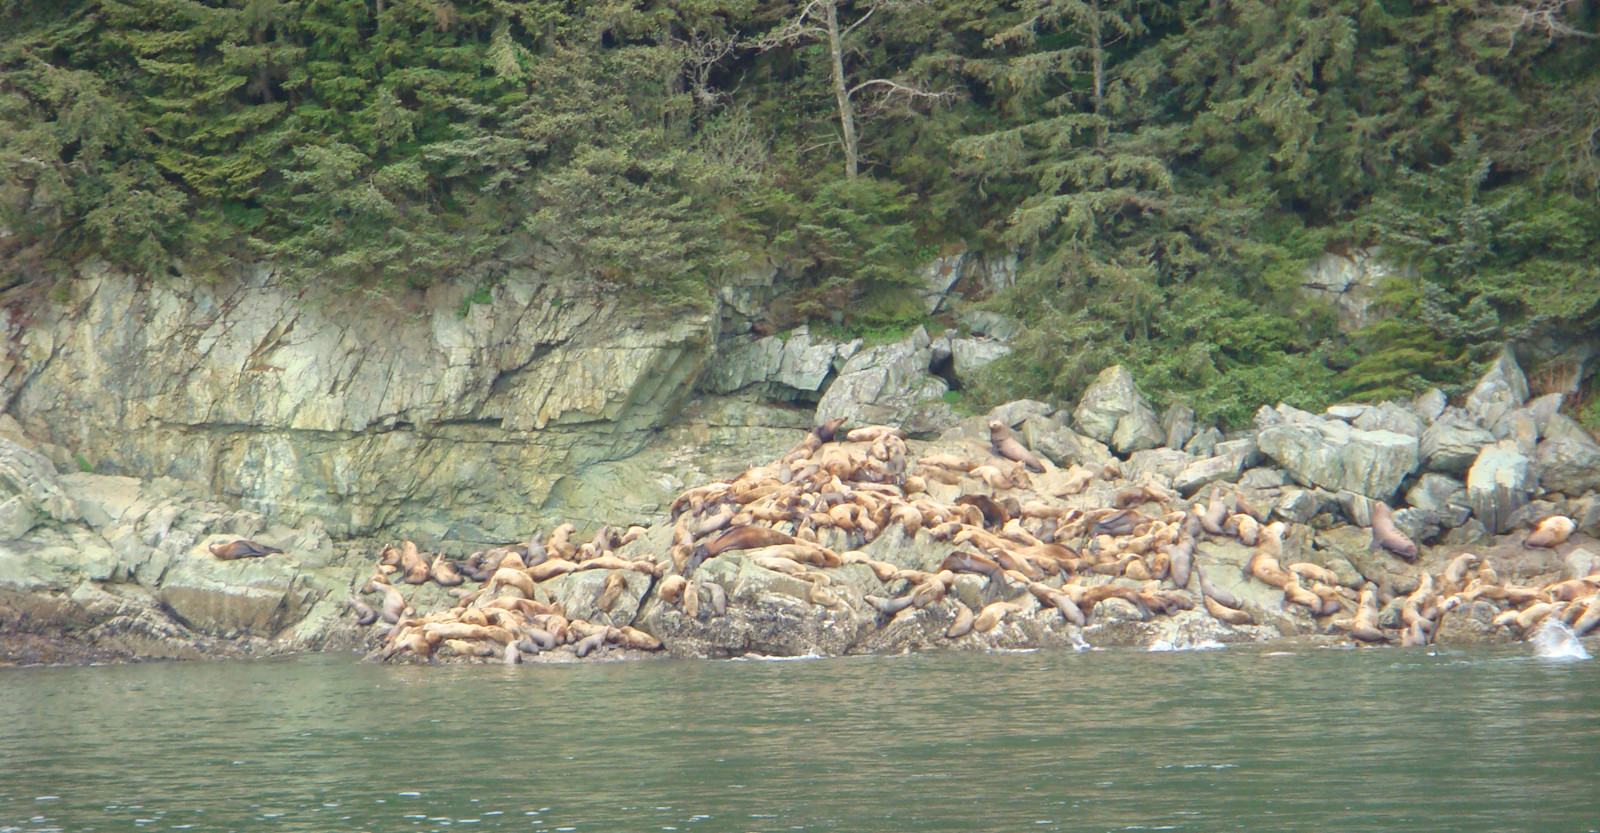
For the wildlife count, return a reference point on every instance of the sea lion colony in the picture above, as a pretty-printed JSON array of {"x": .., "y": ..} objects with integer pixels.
[{"x": 1044, "y": 543}]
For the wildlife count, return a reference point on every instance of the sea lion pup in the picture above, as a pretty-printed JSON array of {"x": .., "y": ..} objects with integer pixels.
[
  {"x": 1387, "y": 536},
  {"x": 444, "y": 573},
  {"x": 1008, "y": 446},
  {"x": 869, "y": 433},
  {"x": 1246, "y": 528},
  {"x": 1181, "y": 555},
  {"x": 1550, "y": 532},
  {"x": 691, "y": 600},
  {"x": 1060, "y": 601},
  {"x": 719, "y": 598},
  {"x": 890, "y": 607},
  {"x": 365, "y": 615},
  {"x": 611, "y": 591},
  {"x": 589, "y": 644},
  {"x": 241, "y": 548},
  {"x": 827, "y": 431}
]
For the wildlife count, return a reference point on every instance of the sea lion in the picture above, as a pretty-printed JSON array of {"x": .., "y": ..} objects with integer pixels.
[
  {"x": 365, "y": 615},
  {"x": 1182, "y": 556},
  {"x": 510, "y": 577},
  {"x": 1211, "y": 591},
  {"x": 962, "y": 561},
  {"x": 413, "y": 568},
  {"x": 963, "y": 623},
  {"x": 1215, "y": 513},
  {"x": 993, "y": 613},
  {"x": 560, "y": 545},
  {"x": 1060, "y": 601},
  {"x": 444, "y": 573},
  {"x": 746, "y": 538},
  {"x": 1006, "y": 444},
  {"x": 1550, "y": 532},
  {"x": 611, "y": 591},
  {"x": 1226, "y": 614},
  {"x": 1456, "y": 571},
  {"x": 1387, "y": 536},
  {"x": 994, "y": 514},
  {"x": 589, "y": 644},
  {"x": 241, "y": 548},
  {"x": 719, "y": 598},
  {"x": 394, "y": 605},
  {"x": 890, "y": 607},
  {"x": 1314, "y": 572},
  {"x": 869, "y": 433},
  {"x": 1589, "y": 619}
]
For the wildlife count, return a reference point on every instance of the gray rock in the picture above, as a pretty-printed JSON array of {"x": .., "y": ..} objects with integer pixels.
[
  {"x": 1585, "y": 512},
  {"x": 1471, "y": 624},
  {"x": 1062, "y": 445},
  {"x": 889, "y": 384},
  {"x": 1017, "y": 412},
  {"x": 1164, "y": 464},
  {"x": 1428, "y": 406},
  {"x": 1579, "y": 563},
  {"x": 1263, "y": 478},
  {"x": 1266, "y": 417},
  {"x": 1442, "y": 495},
  {"x": 1226, "y": 466},
  {"x": 937, "y": 279},
  {"x": 1348, "y": 413},
  {"x": 1204, "y": 444},
  {"x": 1520, "y": 425},
  {"x": 1501, "y": 389},
  {"x": 1178, "y": 423},
  {"x": 1499, "y": 484},
  {"x": 1420, "y": 525},
  {"x": 1568, "y": 463},
  {"x": 993, "y": 324},
  {"x": 1349, "y": 282},
  {"x": 1357, "y": 508},
  {"x": 1333, "y": 456},
  {"x": 1375, "y": 565},
  {"x": 1543, "y": 408},
  {"x": 1532, "y": 513},
  {"x": 1452, "y": 443},
  {"x": 967, "y": 355},
  {"x": 256, "y": 596},
  {"x": 32, "y": 477},
  {"x": 1300, "y": 505},
  {"x": 1113, "y": 411},
  {"x": 1471, "y": 533},
  {"x": 1387, "y": 416}
]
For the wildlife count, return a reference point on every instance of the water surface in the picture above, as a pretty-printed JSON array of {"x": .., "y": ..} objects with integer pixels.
[{"x": 1236, "y": 739}]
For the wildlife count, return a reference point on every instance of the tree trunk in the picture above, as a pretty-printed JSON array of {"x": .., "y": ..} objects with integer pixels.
[
  {"x": 847, "y": 121},
  {"x": 1098, "y": 46}
]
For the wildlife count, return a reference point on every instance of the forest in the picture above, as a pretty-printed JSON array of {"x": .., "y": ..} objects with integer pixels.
[{"x": 1166, "y": 170}]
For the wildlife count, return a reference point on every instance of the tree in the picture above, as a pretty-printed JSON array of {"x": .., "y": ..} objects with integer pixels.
[{"x": 818, "y": 22}]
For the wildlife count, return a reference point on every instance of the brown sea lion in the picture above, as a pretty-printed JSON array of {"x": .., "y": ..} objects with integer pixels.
[
  {"x": 1387, "y": 536},
  {"x": 513, "y": 578},
  {"x": 993, "y": 614},
  {"x": 1007, "y": 445},
  {"x": 962, "y": 561},
  {"x": 719, "y": 598},
  {"x": 1182, "y": 557},
  {"x": 963, "y": 622},
  {"x": 994, "y": 515},
  {"x": 444, "y": 573},
  {"x": 394, "y": 605},
  {"x": 1211, "y": 591},
  {"x": 365, "y": 615},
  {"x": 890, "y": 607},
  {"x": 611, "y": 591},
  {"x": 589, "y": 644},
  {"x": 1455, "y": 572},
  {"x": 413, "y": 568},
  {"x": 1590, "y": 617},
  {"x": 241, "y": 548},
  {"x": 1312, "y": 572},
  {"x": 869, "y": 433},
  {"x": 745, "y": 538},
  {"x": 1550, "y": 532},
  {"x": 1060, "y": 601},
  {"x": 1226, "y": 614}
]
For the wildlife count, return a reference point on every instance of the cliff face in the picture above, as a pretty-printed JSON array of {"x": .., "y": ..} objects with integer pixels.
[{"x": 464, "y": 419}]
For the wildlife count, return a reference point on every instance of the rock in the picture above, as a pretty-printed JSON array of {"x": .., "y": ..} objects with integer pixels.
[
  {"x": 1468, "y": 534},
  {"x": 969, "y": 354},
  {"x": 1420, "y": 525},
  {"x": 1164, "y": 464},
  {"x": 1334, "y": 456},
  {"x": 1501, "y": 389},
  {"x": 1263, "y": 478},
  {"x": 258, "y": 596},
  {"x": 1349, "y": 282},
  {"x": 1375, "y": 565},
  {"x": 1568, "y": 459},
  {"x": 1113, "y": 411},
  {"x": 1356, "y": 508},
  {"x": 1387, "y": 416},
  {"x": 1428, "y": 406},
  {"x": 1226, "y": 466},
  {"x": 15, "y": 518},
  {"x": 1204, "y": 444},
  {"x": 1543, "y": 408},
  {"x": 1518, "y": 424},
  {"x": 1444, "y": 496},
  {"x": 32, "y": 477},
  {"x": 796, "y": 360},
  {"x": 1062, "y": 445},
  {"x": 1348, "y": 413},
  {"x": 1452, "y": 443},
  {"x": 1017, "y": 412},
  {"x": 889, "y": 384},
  {"x": 1178, "y": 423},
  {"x": 1531, "y": 514},
  {"x": 1471, "y": 624},
  {"x": 937, "y": 279},
  {"x": 1499, "y": 484},
  {"x": 1266, "y": 417},
  {"x": 577, "y": 593},
  {"x": 1579, "y": 563},
  {"x": 992, "y": 324},
  {"x": 1300, "y": 505}
]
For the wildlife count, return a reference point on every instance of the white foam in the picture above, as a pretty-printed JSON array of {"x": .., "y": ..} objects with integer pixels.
[{"x": 1554, "y": 640}]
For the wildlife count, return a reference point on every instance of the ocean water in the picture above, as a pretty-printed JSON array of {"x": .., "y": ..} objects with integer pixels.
[{"x": 1242, "y": 738}]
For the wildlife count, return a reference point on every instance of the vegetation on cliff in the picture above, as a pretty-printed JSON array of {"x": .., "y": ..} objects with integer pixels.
[{"x": 1169, "y": 168}]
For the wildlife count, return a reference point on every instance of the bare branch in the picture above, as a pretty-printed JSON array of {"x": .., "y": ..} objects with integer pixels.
[
  {"x": 700, "y": 54},
  {"x": 798, "y": 28},
  {"x": 895, "y": 88}
]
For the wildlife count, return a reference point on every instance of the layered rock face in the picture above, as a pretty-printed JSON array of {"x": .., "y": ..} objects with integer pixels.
[{"x": 464, "y": 419}]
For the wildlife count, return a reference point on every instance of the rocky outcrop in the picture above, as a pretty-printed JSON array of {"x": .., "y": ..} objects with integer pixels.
[
  {"x": 1334, "y": 456},
  {"x": 1499, "y": 484},
  {"x": 796, "y": 365},
  {"x": 1500, "y": 390},
  {"x": 890, "y": 383},
  {"x": 1113, "y": 411},
  {"x": 1568, "y": 458},
  {"x": 1452, "y": 442},
  {"x": 1349, "y": 282}
]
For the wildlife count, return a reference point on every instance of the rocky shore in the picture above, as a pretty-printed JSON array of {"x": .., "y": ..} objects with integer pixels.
[{"x": 1112, "y": 526}]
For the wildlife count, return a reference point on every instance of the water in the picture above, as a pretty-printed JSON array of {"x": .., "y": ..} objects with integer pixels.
[{"x": 1234, "y": 739}]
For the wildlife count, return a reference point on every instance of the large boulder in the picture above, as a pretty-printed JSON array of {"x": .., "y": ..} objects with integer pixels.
[
  {"x": 890, "y": 384},
  {"x": 29, "y": 490},
  {"x": 1501, "y": 389},
  {"x": 1387, "y": 416},
  {"x": 797, "y": 360},
  {"x": 1114, "y": 412},
  {"x": 1499, "y": 484},
  {"x": 1179, "y": 424},
  {"x": 1334, "y": 456},
  {"x": 1442, "y": 495},
  {"x": 1065, "y": 447},
  {"x": 1452, "y": 442},
  {"x": 1568, "y": 458}
]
